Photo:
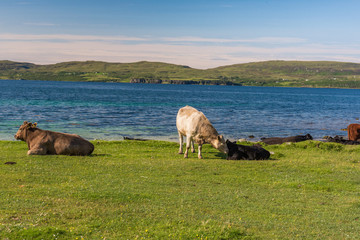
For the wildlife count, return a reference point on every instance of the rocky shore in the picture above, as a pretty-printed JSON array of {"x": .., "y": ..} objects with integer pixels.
[{"x": 184, "y": 82}]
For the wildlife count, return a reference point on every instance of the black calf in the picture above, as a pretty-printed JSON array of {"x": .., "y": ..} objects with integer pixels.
[{"x": 241, "y": 152}]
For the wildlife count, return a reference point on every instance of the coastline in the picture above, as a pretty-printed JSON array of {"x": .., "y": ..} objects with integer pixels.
[
  {"x": 184, "y": 82},
  {"x": 191, "y": 82},
  {"x": 304, "y": 74}
]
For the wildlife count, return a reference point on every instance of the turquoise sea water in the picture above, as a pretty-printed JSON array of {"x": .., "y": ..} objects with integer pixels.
[{"x": 112, "y": 110}]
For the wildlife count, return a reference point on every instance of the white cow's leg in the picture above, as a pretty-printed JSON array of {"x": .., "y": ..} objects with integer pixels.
[
  {"x": 37, "y": 151},
  {"x": 181, "y": 143},
  {"x": 192, "y": 146},
  {"x": 199, "y": 154},
  {"x": 188, "y": 142}
]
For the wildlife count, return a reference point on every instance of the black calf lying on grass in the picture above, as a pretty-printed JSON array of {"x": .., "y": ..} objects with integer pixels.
[{"x": 241, "y": 152}]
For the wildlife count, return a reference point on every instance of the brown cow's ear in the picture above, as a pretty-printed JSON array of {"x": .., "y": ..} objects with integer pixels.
[
  {"x": 25, "y": 122},
  {"x": 29, "y": 125},
  {"x": 34, "y": 125}
]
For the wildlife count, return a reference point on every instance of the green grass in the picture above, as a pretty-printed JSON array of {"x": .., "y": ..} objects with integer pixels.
[{"x": 145, "y": 190}]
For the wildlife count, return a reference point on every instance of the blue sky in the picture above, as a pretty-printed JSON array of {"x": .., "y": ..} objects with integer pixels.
[{"x": 197, "y": 33}]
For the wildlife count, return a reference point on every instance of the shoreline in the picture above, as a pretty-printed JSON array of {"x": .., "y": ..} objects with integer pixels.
[
  {"x": 175, "y": 140},
  {"x": 304, "y": 74},
  {"x": 191, "y": 82}
]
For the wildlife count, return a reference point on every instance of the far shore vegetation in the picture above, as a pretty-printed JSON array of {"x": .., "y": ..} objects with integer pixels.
[
  {"x": 146, "y": 190},
  {"x": 326, "y": 74}
]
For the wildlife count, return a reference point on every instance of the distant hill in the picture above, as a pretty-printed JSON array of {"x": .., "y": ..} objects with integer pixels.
[{"x": 269, "y": 73}]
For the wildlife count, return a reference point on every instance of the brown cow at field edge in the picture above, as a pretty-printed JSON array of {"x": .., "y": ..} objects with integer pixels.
[
  {"x": 42, "y": 142},
  {"x": 197, "y": 128},
  {"x": 353, "y": 131}
]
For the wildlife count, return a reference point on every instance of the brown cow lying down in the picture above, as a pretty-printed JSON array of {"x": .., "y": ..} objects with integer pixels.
[
  {"x": 241, "y": 152},
  {"x": 41, "y": 142},
  {"x": 280, "y": 140}
]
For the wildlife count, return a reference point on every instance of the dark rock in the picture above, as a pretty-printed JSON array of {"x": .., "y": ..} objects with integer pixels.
[
  {"x": 146, "y": 80},
  {"x": 338, "y": 139},
  {"x": 280, "y": 140},
  {"x": 135, "y": 139},
  {"x": 10, "y": 163}
]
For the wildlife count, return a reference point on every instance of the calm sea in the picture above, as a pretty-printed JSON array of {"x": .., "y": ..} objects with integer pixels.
[{"x": 112, "y": 110}]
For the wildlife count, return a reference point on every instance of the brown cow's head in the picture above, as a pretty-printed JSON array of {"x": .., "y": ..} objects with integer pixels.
[
  {"x": 220, "y": 144},
  {"x": 23, "y": 130}
]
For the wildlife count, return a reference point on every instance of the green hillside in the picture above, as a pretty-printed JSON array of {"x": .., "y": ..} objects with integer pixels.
[
  {"x": 270, "y": 73},
  {"x": 295, "y": 73}
]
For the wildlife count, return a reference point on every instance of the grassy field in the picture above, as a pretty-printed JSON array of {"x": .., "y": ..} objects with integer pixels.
[{"x": 145, "y": 190}]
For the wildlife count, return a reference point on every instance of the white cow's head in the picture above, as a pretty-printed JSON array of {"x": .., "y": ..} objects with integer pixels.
[{"x": 220, "y": 144}]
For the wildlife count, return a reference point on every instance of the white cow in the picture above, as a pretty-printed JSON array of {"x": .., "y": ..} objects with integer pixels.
[{"x": 197, "y": 128}]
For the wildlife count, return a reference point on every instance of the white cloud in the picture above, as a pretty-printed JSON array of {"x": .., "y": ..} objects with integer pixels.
[
  {"x": 43, "y": 24},
  {"x": 269, "y": 40},
  {"x": 66, "y": 37},
  {"x": 45, "y": 49},
  {"x": 69, "y": 37}
]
